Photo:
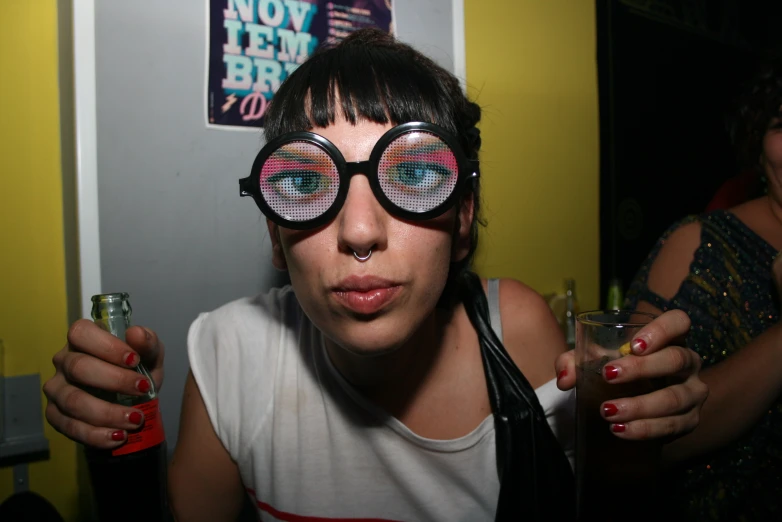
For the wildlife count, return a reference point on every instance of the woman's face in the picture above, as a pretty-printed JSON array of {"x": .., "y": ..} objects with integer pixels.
[
  {"x": 373, "y": 306},
  {"x": 771, "y": 160}
]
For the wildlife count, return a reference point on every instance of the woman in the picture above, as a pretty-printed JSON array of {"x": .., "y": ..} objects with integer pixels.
[
  {"x": 359, "y": 391},
  {"x": 720, "y": 268}
]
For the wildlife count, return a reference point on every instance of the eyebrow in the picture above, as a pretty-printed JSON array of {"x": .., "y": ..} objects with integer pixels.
[
  {"x": 294, "y": 155},
  {"x": 421, "y": 147}
]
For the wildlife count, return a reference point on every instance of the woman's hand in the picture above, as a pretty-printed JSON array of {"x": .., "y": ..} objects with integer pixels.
[
  {"x": 93, "y": 358},
  {"x": 669, "y": 412}
]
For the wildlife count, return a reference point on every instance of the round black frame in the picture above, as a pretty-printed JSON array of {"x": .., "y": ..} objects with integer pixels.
[{"x": 250, "y": 186}]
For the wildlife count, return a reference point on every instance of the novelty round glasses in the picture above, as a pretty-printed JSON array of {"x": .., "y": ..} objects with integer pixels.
[{"x": 416, "y": 170}]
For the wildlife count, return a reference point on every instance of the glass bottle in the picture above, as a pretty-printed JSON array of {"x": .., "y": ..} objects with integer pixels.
[
  {"x": 571, "y": 310},
  {"x": 129, "y": 482},
  {"x": 615, "y": 298}
]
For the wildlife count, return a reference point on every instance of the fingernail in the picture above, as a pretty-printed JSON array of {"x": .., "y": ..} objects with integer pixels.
[
  {"x": 130, "y": 360},
  {"x": 611, "y": 372},
  {"x": 147, "y": 334},
  {"x": 562, "y": 374},
  {"x": 609, "y": 410},
  {"x": 618, "y": 428},
  {"x": 639, "y": 345},
  {"x": 118, "y": 435},
  {"x": 135, "y": 417},
  {"x": 143, "y": 385}
]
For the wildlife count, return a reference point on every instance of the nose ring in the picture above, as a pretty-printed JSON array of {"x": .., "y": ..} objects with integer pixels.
[{"x": 362, "y": 258}]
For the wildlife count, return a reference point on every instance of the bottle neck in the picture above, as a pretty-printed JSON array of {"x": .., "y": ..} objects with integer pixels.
[
  {"x": 570, "y": 288},
  {"x": 112, "y": 313}
]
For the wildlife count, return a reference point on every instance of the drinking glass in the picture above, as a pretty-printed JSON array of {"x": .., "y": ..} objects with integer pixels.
[{"x": 610, "y": 471}]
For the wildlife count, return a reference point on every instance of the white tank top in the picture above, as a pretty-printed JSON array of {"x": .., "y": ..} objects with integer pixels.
[{"x": 309, "y": 447}]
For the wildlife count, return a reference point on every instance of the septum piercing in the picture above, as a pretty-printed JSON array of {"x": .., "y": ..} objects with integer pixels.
[{"x": 362, "y": 258}]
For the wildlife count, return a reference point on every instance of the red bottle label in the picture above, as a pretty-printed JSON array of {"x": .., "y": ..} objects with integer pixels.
[{"x": 150, "y": 434}]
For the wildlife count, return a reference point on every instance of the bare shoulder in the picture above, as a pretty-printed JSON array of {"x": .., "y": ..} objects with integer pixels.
[
  {"x": 531, "y": 333},
  {"x": 672, "y": 264},
  {"x": 516, "y": 296}
]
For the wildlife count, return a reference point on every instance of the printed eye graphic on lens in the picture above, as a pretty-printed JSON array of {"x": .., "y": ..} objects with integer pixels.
[
  {"x": 299, "y": 181},
  {"x": 418, "y": 171},
  {"x": 299, "y": 185}
]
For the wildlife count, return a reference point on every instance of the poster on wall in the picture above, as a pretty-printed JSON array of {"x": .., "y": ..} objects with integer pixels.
[{"x": 253, "y": 45}]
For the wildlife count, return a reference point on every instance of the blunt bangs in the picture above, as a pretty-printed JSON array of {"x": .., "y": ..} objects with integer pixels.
[{"x": 374, "y": 83}]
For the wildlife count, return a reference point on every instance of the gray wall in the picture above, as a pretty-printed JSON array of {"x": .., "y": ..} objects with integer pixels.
[{"x": 173, "y": 231}]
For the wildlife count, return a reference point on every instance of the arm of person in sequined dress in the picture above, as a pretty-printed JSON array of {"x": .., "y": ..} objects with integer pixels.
[{"x": 742, "y": 387}]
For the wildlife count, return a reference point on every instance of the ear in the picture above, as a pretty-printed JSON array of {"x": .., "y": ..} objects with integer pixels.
[
  {"x": 278, "y": 254},
  {"x": 462, "y": 239}
]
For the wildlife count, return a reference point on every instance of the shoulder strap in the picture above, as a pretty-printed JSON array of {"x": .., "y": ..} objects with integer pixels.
[
  {"x": 494, "y": 307},
  {"x": 536, "y": 480}
]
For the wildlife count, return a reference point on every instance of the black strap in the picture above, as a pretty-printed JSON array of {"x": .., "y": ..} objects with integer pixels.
[{"x": 536, "y": 481}]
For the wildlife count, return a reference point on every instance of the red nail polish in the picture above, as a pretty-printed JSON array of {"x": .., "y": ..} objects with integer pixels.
[
  {"x": 563, "y": 373},
  {"x": 609, "y": 410},
  {"x": 638, "y": 345},
  {"x": 130, "y": 359},
  {"x": 618, "y": 428},
  {"x": 118, "y": 435},
  {"x": 143, "y": 386},
  {"x": 135, "y": 417},
  {"x": 611, "y": 372}
]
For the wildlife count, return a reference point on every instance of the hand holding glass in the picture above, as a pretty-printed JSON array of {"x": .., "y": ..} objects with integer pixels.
[{"x": 605, "y": 462}]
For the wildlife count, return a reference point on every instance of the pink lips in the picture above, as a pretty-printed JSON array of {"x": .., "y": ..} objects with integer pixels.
[{"x": 365, "y": 295}]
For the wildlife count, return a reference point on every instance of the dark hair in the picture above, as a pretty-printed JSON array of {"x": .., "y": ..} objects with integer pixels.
[
  {"x": 757, "y": 106},
  {"x": 374, "y": 77}
]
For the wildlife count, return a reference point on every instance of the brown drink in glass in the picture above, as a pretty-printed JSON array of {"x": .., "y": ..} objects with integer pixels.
[{"x": 614, "y": 477}]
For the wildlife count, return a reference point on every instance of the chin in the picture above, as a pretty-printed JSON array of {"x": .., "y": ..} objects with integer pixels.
[
  {"x": 370, "y": 340},
  {"x": 367, "y": 352}
]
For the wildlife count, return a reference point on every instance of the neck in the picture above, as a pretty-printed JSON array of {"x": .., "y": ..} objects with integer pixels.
[
  {"x": 392, "y": 379},
  {"x": 775, "y": 208}
]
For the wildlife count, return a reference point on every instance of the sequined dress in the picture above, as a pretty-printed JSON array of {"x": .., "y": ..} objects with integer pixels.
[{"x": 730, "y": 298}]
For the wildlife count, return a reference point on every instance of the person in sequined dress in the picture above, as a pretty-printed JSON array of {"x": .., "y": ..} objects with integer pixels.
[{"x": 723, "y": 269}]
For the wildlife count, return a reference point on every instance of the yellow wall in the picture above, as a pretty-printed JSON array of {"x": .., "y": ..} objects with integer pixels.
[
  {"x": 33, "y": 317},
  {"x": 531, "y": 65}
]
